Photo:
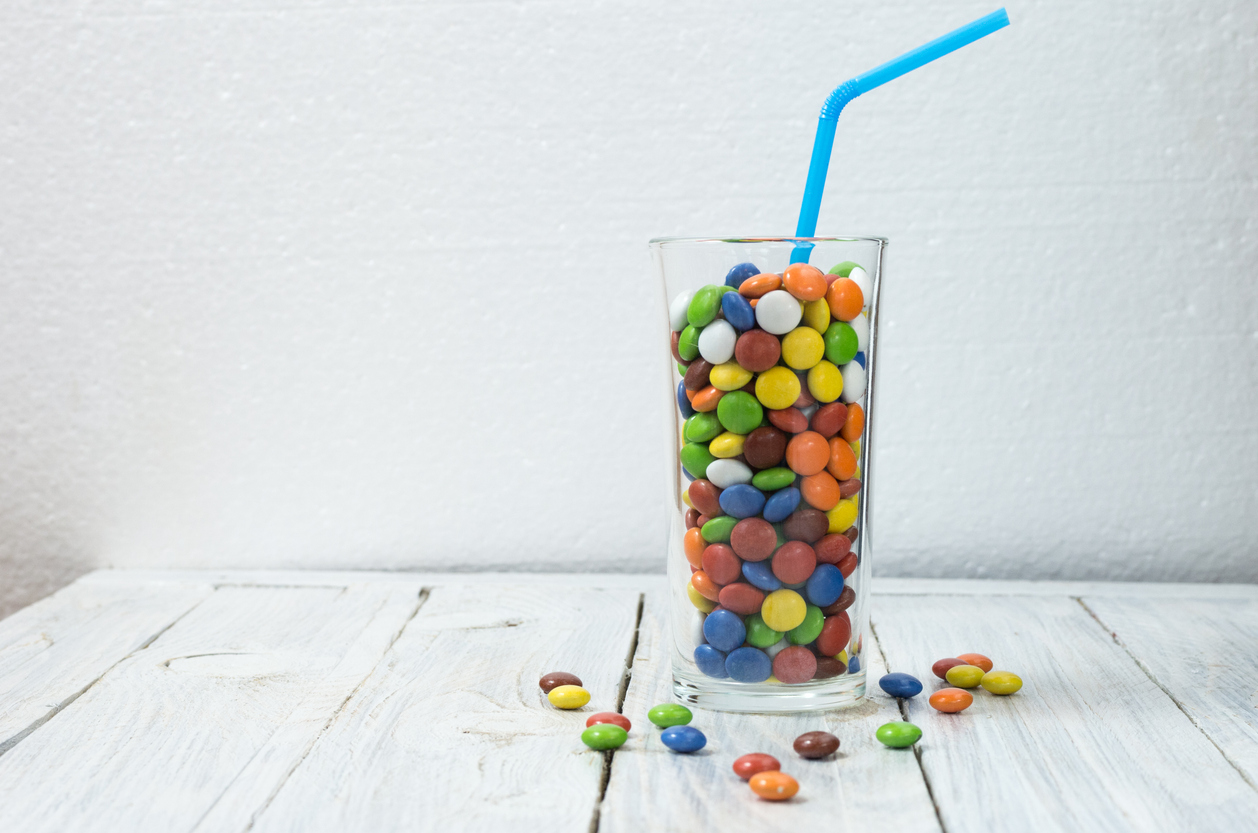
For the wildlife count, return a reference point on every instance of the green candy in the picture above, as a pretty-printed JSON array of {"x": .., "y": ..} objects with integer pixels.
[
  {"x": 781, "y": 531},
  {"x": 695, "y": 458},
  {"x": 770, "y": 480},
  {"x": 759, "y": 634},
  {"x": 809, "y": 629},
  {"x": 604, "y": 736},
  {"x": 739, "y": 412},
  {"x": 841, "y": 343},
  {"x": 702, "y": 428},
  {"x": 668, "y": 714},
  {"x": 898, "y": 734},
  {"x": 844, "y": 269},
  {"x": 718, "y": 530},
  {"x": 681, "y": 370},
  {"x": 703, "y": 306},
  {"x": 688, "y": 344}
]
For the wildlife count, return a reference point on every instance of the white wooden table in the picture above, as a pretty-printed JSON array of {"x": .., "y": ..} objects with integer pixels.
[{"x": 134, "y": 701}]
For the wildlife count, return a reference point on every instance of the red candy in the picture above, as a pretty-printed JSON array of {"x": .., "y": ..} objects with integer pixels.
[
  {"x": 847, "y": 564},
  {"x": 757, "y": 351},
  {"x": 609, "y": 717},
  {"x": 790, "y": 420},
  {"x": 795, "y": 664},
  {"x": 835, "y": 634},
  {"x": 940, "y": 668},
  {"x": 832, "y": 548},
  {"x": 741, "y": 598},
  {"x": 829, "y": 419},
  {"x": 794, "y": 562},
  {"x": 705, "y": 497},
  {"x": 754, "y": 539},
  {"x": 749, "y": 765},
  {"x": 721, "y": 565}
]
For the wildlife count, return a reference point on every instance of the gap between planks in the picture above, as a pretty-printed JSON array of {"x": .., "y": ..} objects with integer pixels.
[{"x": 625, "y": 679}]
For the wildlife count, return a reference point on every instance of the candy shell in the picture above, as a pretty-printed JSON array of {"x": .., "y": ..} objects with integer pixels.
[
  {"x": 724, "y": 630},
  {"x": 824, "y": 585},
  {"x": 568, "y": 697},
  {"x": 899, "y": 684},
  {"x": 842, "y": 270},
  {"x": 950, "y": 700},
  {"x": 738, "y": 311},
  {"x": 729, "y": 472},
  {"x": 770, "y": 480},
  {"x": 842, "y": 460},
  {"x": 707, "y": 588},
  {"x": 604, "y": 736},
  {"x": 742, "y": 501},
  {"x": 854, "y": 424},
  {"x": 702, "y": 428},
  {"x": 748, "y": 665},
  {"x": 817, "y": 315},
  {"x": 778, "y": 312},
  {"x": 706, "y": 399},
  {"x": 549, "y": 682},
  {"x": 739, "y": 412},
  {"x": 705, "y": 497},
  {"x": 716, "y": 342},
  {"x": 802, "y": 347},
  {"x": 842, "y": 516},
  {"x": 760, "y": 575},
  {"x": 781, "y": 504},
  {"x": 773, "y": 786},
  {"x": 683, "y": 739},
  {"x": 807, "y": 453},
  {"x": 760, "y": 635},
  {"x": 861, "y": 325},
  {"x": 793, "y": 563},
  {"x": 978, "y": 660},
  {"x": 757, "y": 286},
  {"x": 794, "y": 665},
  {"x": 721, "y": 565},
  {"x": 827, "y": 383},
  {"x": 710, "y": 661},
  {"x": 609, "y": 717},
  {"x": 964, "y": 676},
  {"x": 753, "y": 539},
  {"x": 806, "y": 524},
  {"x": 728, "y": 376},
  {"x": 846, "y": 599},
  {"x": 1001, "y": 682},
  {"x": 841, "y": 342},
  {"x": 677, "y": 311},
  {"x": 791, "y": 420},
  {"x": 737, "y": 274},
  {"x": 695, "y": 458},
  {"x": 835, "y": 634},
  {"x": 807, "y": 631},
  {"x": 853, "y": 381},
  {"x": 669, "y": 714},
  {"x": 700, "y": 601},
  {"x": 726, "y": 445},
  {"x": 688, "y": 344},
  {"x": 844, "y": 297},
  {"x": 816, "y": 745},
  {"x": 804, "y": 281},
  {"x": 757, "y": 351},
  {"x": 706, "y": 302},
  {"x": 898, "y": 734},
  {"x": 683, "y": 401},
  {"x": 778, "y": 387},
  {"x": 741, "y": 598},
  {"x": 832, "y": 548},
  {"x": 717, "y": 530},
  {"x": 765, "y": 447},
  {"x": 755, "y": 762},
  {"x": 861, "y": 278},
  {"x": 821, "y": 491}
]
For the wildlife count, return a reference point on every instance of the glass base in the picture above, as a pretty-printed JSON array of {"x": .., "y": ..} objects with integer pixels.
[{"x": 760, "y": 698}]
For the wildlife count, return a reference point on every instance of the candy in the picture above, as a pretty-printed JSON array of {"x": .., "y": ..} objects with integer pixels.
[
  {"x": 793, "y": 563},
  {"x": 764, "y": 447},
  {"x": 899, "y": 684},
  {"x": 710, "y": 661},
  {"x": 753, "y": 539},
  {"x": 742, "y": 500},
  {"x": 807, "y": 453},
  {"x": 688, "y": 344},
  {"x": 832, "y": 548},
  {"x": 805, "y": 282},
  {"x": 739, "y": 273},
  {"x": 755, "y": 762},
  {"x": 728, "y": 472},
  {"x": 759, "y": 634},
  {"x": 770, "y": 480},
  {"x": 739, "y": 412},
  {"x": 841, "y": 342},
  {"x": 724, "y": 630},
  {"x": 748, "y": 665},
  {"x": 701, "y": 428},
  {"x": 707, "y": 588},
  {"x": 705, "y": 497},
  {"x": 825, "y": 381},
  {"x": 828, "y": 667},
  {"x": 848, "y": 564},
  {"x": 609, "y": 717},
  {"x": 693, "y": 545},
  {"x": 739, "y": 313},
  {"x": 977, "y": 660},
  {"x": 777, "y": 387},
  {"x": 743, "y": 599},
  {"x": 853, "y": 382},
  {"x": 808, "y": 630},
  {"x": 795, "y": 664},
  {"x": 778, "y": 312},
  {"x": 717, "y": 530},
  {"x": 824, "y": 585},
  {"x": 846, "y": 599},
  {"x": 807, "y": 525},
  {"x": 861, "y": 325},
  {"x": 783, "y": 610},
  {"x": 677, "y": 319},
  {"x": 861, "y": 278},
  {"x": 706, "y": 301},
  {"x": 847, "y": 488},
  {"x": 854, "y": 425},
  {"x": 721, "y": 565},
  {"x": 701, "y": 602},
  {"x": 757, "y": 286},
  {"x": 697, "y": 375},
  {"x": 773, "y": 786},
  {"x": 817, "y": 315},
  {"x": 844, "y": 297},
  {"x": 683, "y": 401},
  {"x": 814, "y": 745},
  {"x": 757, "y": 351},
  {"x": 802, "y": 348},
  {"x": 604, "y": 736},
  {"x": 554, "y": 679},
  {"x": 568, "y": 697},
  {"x": 898, "y": 734},
  {"x": 716, "y": 342},
  {"x": 843, "y": 269},
  {"x": 728, "y": 376},
  {"x": 842, "y": 516},
  {"x": 950, "y": 700},
  {"x": 706, "y": 399},
  {"x": 829, "y": 419},
  {"x": 835, "y": 634},
  {"x": 781, "y": 504},
  {"x": 854, "y": 665},
  {"x": 761, "y": 575},
  {"x": 964, "y": 676},
  {"x": 940, "y": 668},
  {"x": 1001, "y": 682},
  {"x": 842, "y": 461},
  {"x": 683, "y": 739},
  {"x": 777, "y": 647},
  {"x": 820, "y": 491},
  {"x": 669, "y": 714},
  {"x": 725, "y": 445}
]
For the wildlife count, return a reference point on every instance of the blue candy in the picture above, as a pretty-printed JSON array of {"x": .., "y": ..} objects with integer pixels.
[
  {"x": 899, "y": 684},
  {"x": 860, "y": 359},
  {"x": 710, "y": 661},
  {"x": 760, "y": 574},
  {"x": 735, "y": 277},
  {"x": 781, "y": 505},
  {"x": 853, "y": 665},
  {"x": 683, "y": 739},
  {"x": 824, "y": 585},
  {"x": 738, "y": 311},
  {"x": 742, "y": 500},
  {"x": 724, "y": 630},
  {"x": 683, "y": 404},
  {"x": 688, "y": 475},
  {"x": 748, "y": 665}
]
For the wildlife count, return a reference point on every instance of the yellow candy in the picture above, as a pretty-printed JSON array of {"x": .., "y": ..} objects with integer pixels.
[
  {"x": 842, "y": 657},
  {"x": 1001, "y": 682},
  {"x": 685, "y": 498},
  {"x": 568, "y": 697},
  {"x": 817, "y": 314},
  {"x": 964, "y": 676},
  {"x": 778, "y": 388},
  {"x": 825, "y": 381},
  {"x": 699, "y": 600},
  {"x": 727, "y": 445},
  {"x": 856, "y": 446},
  {"x": 842, "y": 516},
  {"x": 783, "y": 610},
  {"x": 729, "y": 376},
  {"x": 802, "y": 348}
]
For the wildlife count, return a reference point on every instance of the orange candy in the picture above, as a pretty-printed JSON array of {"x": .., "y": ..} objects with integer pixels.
[
  {"x": 774, "y": 786},
  {"x": 758, "y": 285},
  {"x": 706, "y": 399},
  {"x": 821, "y": 491},
  {"x": 977, "y": 659},
  {"x": 807, "y": 453},
  {"x": 805, "y": 282},
  {"x": 707, "y": 587},
  {"x": 842, "y": 462},
  {"x": 845, "y": 299},
  {"x": 854, "y": 426},
  {"x": 951, "y": 700},
  {"x": 694, "y": 545}
]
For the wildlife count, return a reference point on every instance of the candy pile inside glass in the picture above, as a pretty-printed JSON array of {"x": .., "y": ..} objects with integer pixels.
[{"x": 772, "y": 383}]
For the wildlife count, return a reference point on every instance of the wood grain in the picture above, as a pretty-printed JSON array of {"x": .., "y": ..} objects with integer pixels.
[
  {"x": 452, "y": 733},
  {"x": 1202, "y": 653},
  {"x": 53, "y": 650},
  {"x": 1090, "y": 743},
  {"x": 158, "y": 739},
  {"x": 864, "y": 787}
]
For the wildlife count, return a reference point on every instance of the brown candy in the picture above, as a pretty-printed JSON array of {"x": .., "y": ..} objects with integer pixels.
[
  {"x": 829, "y": 419},
  {"x": 940, "y": 668},
  {"x": 832, "y": 548},
  {"x": 846, "y": 599},
  {"x": 692, "y": 518},
  {"x": 557, "y": 678},
  {"x": 705, "y": 497},
  {"x": 741, "y": 598},
  {"x": 828, "y": 667},
  {"x": 849, "y": 487},
  {"x": 764, "y": 447},
  {"x": 676, "y": 352},
  {"x": 807, "y": 525},
  {"x": 757, "y": 351},
  {"x": 815, "y": 745},
  {"x": 697, "y": 374},
  {"x": 850, "y": 534},
  {"x": 754, "y": 539}
]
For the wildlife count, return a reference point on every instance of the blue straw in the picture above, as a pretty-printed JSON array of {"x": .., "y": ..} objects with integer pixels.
[{"x": 824, "y": 143}]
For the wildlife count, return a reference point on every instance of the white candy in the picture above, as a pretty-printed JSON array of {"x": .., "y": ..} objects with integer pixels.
[
  {"x": 778, "y": 312},
  {"x": 728, "y": 472},
  {"x": 677, "y": 311},
  {"x": 716, "y": 342},
  {"x": 853, "y": 381},
  {"x": 776, "y": 648},
  {"x": 695, "y": 631},
  {"x": 861, "y": 278},
  {"x": 811, "y": 409},
  {"x": 861, "y": 325}
]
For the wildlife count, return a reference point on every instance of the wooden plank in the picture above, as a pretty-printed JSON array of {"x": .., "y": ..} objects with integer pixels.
[
  {"x": 451, "y": 731},
  {"x": 1201, "y": 653},
  {"x": 1090, "y": 743},
  {"x": 865, "y": 787},
  {"x": 53, "y": 650},
  {"x": 983, "y": 587},
  {"x": 155, "y": 742}
]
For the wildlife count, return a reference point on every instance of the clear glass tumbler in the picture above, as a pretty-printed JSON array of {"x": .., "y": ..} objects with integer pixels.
[{"x": 771, "y": 391}]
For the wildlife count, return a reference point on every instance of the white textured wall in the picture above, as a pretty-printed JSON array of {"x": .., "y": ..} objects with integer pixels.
[{"x": 343, "y": 285}]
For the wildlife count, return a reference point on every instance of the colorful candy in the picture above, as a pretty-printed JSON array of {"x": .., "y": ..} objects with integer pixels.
[
  {"x": 554, "y": 679},
  {"x": 964, "y": 676},
  {"x": 609, "y": 717},
  {"x": 899, "y": 684},
  {"x": 778, "y": 312},
  {"x": 683, "y": 739},
  {"x": 773, "y": 785},
  {"x": 568, "y": 697},
  {"x": 748, "y": 765},
  {"x": 604, "y": 736},
  {"x": 940, "y": 668},
  {"x": 898, "y": 734},
  {"x": 951, "y": 700},
  {"x": 748, "y": 665},
  {"x": 669, "y": 714},
  {"x": 977, "y": 660},
  {"x": 1001, "y": 682},
  {"x": 815, "y": 745}
]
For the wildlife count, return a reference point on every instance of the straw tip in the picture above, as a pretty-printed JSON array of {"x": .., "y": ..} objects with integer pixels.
[{"x": 1001, "y": 16}]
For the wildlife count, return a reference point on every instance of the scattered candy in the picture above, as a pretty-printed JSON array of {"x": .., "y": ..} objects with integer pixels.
[
  {"x": 683, "y": 738},
  {"x": 669, "y": 714},
  {"x": 964, "y": 676},
  {"x": 898, "y": 734},
  {"x": 604, "y": 736},
  {"x": 977, "y": 660},
  {"x": 773, "y": 785},
  {"x": 951, "y": 700},
  {"x": 816, "y": 745},
  {"x": 557, "y": 678},
  {"x": 940, "y": 668},
  {"x": 755, "y": 762},
  {"x": 1001, "y": 682},
  {"x": 609, "y": 717},
  {"x": 568, "y": 697},
  {"x": 899, "y": 684}
]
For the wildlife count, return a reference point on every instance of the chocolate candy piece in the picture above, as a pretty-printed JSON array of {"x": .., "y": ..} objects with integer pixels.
[
  {"x": 835, "y": 634},
  {"x": 846, "y": 599},
  {"x": 764, "y": 447},
  {"x": 697, "y": 374},
  {"x": 557, "y": 678},
  {"x": 705, "y": 497},
  {"x": 754, "y": 539},
  {"x": 724, "y": 630},
  {"x": 741, "y": 598},
  {"x": 773, "y": 786},
  {"x": 757, "y": 351},
  {"x": 794, "y": 562},
  {"x": 849, "y": 487},
  {"x": 832, "y": 548},
  {"x": 814, "y": 745},
  {"x": 781, "y": 505},
  {"x": 1001, "y": 682},
  {"x": 808, "y": 525},
  {"x": 940, "y": 668},
  {"x": 951, "y": 700},
  {"x": 750, "y": 764},
  {"x": 721, "y": 565},
  {"x": 898, "y": 734},
  {"x": 847, "y": 564},
  {"x": 850, "y": 534},
  {"x": 795, "y": 664},
  {"x": 828, "y": 667}
]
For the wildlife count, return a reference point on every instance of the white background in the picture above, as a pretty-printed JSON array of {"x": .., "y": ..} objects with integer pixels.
[{"x": 318, "y": 284}]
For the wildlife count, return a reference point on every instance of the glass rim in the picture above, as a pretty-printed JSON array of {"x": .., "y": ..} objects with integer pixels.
[{"x": 660, "y": 242}]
